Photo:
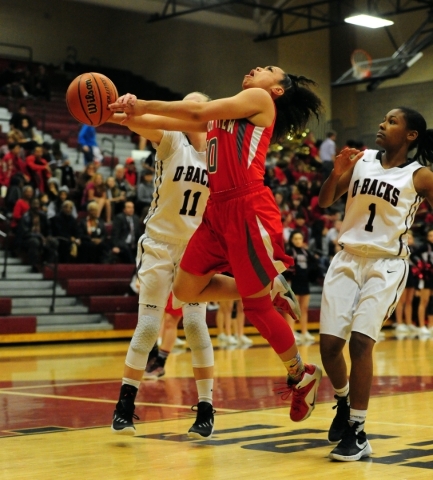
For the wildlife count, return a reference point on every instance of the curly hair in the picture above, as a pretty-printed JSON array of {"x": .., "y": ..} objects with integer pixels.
[{"x": 295, "y": 107}]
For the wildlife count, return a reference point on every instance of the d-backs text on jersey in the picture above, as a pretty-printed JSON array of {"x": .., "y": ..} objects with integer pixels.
[
  {"x": 191, "y": 174},
  {"x": 377, "y": 188}
]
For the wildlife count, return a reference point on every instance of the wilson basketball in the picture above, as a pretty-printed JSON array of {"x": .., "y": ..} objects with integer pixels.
[{"x": 88, "y": 97}]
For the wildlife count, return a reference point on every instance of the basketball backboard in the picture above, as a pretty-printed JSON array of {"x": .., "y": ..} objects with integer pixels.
[{"x": 380, "y": 69}]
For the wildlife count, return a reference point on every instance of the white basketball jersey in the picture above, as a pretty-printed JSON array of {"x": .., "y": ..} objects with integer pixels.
[
  {"x": 380, "y": 209},
  {"x": 181, "y": 190}
]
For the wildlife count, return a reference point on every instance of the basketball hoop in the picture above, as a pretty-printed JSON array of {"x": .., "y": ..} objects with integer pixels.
[{"x": 361, "y": 63}]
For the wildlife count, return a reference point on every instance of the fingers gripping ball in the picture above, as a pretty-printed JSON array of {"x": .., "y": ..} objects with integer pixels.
[{"x": 88, "y": 97}]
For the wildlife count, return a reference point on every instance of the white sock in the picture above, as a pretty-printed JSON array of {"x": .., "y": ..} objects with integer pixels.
[
  {"x": 358, "y": 416},
  {"x": 342, "y": 392},
  {"x": 130, "y": 381},
  {"x": 205, "y": 390}
]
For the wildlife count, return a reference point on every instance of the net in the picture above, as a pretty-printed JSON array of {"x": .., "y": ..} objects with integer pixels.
[{"x": 361, "y": 63}]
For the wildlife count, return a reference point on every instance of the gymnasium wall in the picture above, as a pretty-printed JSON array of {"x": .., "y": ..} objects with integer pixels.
[
  {"x": 177, "y": 54},
  {"x": 185, "y": 56},
  {"x": 376, "y": 104},
  {"x": 308, "y": 55},
  {"x": 357, "y": 113}
]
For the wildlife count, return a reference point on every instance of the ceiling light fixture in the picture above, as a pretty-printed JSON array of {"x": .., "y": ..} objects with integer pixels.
[{"x": 368, "y": 21}]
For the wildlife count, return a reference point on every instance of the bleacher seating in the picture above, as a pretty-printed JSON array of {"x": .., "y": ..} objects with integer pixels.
[
  {"x": 104, "y": 289},
  {"x": 16, "y": 324},
  {"x": 54, "y": 121},
  {"x": 5, "y": 306},
  {"x": 106, "y": 286},
  {"x": 69, "y": 271}
]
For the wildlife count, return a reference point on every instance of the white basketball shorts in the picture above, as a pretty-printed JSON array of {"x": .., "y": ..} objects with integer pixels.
[
  {"x": 359, "y": 294},
  {"x": 157, "y": 263}
]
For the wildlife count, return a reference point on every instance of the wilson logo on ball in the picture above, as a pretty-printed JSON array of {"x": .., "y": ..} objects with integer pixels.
[{"x": 88, "y": 97}]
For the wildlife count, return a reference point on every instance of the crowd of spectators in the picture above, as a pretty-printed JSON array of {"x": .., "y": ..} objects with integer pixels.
[
  {"x": 97, "y": 218},
  {"x": 20, "y": 81},
  {"x": 54, "y": 210}
]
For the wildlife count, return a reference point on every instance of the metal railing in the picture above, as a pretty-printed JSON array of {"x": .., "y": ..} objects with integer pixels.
[
  {"x": 5, "y": 235},
  {"x": 111, "y": 153},
  {"x": 53, "y": 265}
]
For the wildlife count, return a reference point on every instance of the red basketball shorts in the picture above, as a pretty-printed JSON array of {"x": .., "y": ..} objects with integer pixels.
[{"x": 241, "y": 233}]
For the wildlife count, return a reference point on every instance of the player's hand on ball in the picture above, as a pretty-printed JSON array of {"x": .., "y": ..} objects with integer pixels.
[
  {"x": 346, "y": 160},
  {"x": 125, "y": 103}
]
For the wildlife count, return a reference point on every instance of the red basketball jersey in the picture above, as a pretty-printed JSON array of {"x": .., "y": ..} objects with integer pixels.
[{"x": 237, "y": 151}]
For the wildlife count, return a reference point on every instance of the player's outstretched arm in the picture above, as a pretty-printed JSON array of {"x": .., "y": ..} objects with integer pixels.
[
  {"x": 338, "y": 182},
  {"x": 152, "y": 127},
  {"x": 254, "y": 103}
]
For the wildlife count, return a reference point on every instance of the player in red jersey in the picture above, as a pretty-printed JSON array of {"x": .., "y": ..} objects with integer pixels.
[{"x": 241, "y": 230}]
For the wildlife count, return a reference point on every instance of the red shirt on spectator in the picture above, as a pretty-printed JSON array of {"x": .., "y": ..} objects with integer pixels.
[
  {"x": 38, "y": 167},
  {"x": 131, "y": 175},
  {"x": 11, "y": 164},
  {"x": 20, "y": 208}
]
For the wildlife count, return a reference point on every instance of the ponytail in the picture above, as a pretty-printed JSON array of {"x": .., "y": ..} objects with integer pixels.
[
  {"x": 424, "y": 141},
  {"x": 295, "y": 107}
]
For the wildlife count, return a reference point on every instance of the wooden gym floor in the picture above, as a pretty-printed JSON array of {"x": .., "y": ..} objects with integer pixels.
[{"x": 56, "y": 403}]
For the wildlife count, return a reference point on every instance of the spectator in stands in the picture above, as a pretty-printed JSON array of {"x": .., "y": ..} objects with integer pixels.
[
  {"x": 56, "y": 160},
  {"x": 300, "y": 224},
  {"x": 83, "y": 178},
  {"x": 20, "y": 115},
  {"x": 273, "y": 157},
  {"x": 270, "y": 179},
  {"x": 39, "y": 169},
  {"x": 64, "y": 228},
  {"x": 34, "y": 236},
  {"x": 53, "y": 188},
  {"x": 145, "y": 192},
  {"x": 94, "y": 247},
  {"x": 125, "y": 234},
  {"x": 29, "y": 134},
  {"x": 17, "y": 136},
  {"x": 89, "y": 145},
  {"x": 46, "y": 152},
  {"x": 11, "y": 164},
  {"x": 22, "y": 205},
  {"x": 44, "y": 201},
  {"x": 95, "y": 191},
  {"x": 305, "y": 263},
  {"x": 12, "y": 82},
  {"x": 41, "y": 83},
  {"x": 304, "y": 185},
  {"x": 58, "y": 157},
  {"x": 223, "y": 321},
  {"x": 422, "y": 256},
  {"x": 68, "y": 176},
  {"x": 295, "y": 204},
  {"x": 123, "y": 185},
  {"x": 131, "y": 175},
  {"x": 313, "y": 152},
  {"x": 332, "y": 238},
  {"x": 114, "y": 194},
  {"x": 327, "y": 154},
  {"x": 319, "y": 244},
  {"x": 280, "y": 196},
  {"x": 55, "y": 205}
]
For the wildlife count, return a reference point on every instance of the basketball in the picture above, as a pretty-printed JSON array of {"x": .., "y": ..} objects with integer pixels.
[{"x": 88, "y": 97}]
